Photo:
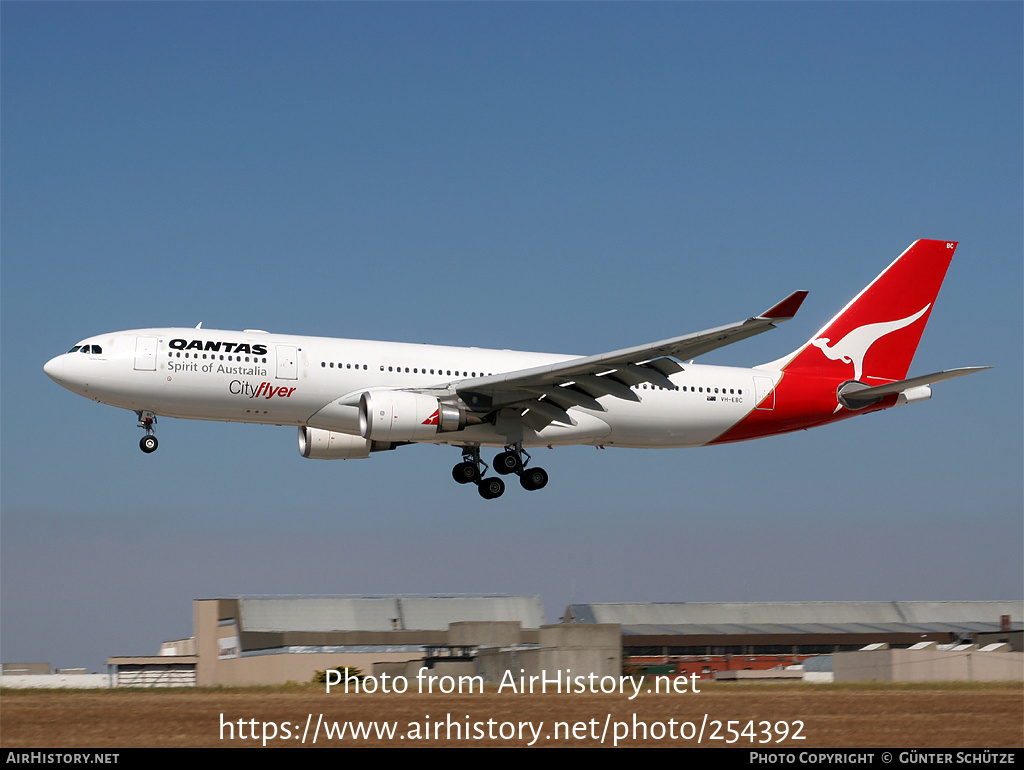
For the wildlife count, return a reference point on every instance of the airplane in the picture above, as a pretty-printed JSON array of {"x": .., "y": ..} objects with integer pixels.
[{"x": 352, "y": 398}]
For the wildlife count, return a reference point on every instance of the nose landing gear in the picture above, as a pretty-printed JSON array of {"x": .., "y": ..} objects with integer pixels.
[{"x": 148, "y": 443}]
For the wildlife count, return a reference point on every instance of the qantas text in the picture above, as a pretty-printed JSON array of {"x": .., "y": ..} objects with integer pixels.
[{"x": 219, "y": 347}]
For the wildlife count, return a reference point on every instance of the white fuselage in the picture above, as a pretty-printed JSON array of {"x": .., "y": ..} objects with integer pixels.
[
  {"x": 256, "y": 377},
  {"x": 350, "y": 398}
]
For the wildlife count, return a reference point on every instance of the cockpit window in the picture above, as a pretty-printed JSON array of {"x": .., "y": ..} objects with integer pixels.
[
  {"x": 93, "y": 349},
  {"x": 75, "y": 349}
]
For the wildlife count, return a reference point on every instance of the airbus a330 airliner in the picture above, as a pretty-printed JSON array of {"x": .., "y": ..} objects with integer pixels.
[{"x": 350, "y": 398}]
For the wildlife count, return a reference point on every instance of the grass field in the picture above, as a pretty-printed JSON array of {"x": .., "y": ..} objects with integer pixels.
[{"x": 733, "y": 714}]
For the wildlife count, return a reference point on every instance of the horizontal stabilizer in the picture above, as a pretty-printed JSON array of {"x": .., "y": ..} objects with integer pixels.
[{"x": 868, "y": 395}]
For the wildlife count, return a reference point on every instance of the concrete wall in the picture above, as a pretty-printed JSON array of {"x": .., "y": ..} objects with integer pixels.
[
  {"x": 21, "y": 669},
  {"x": 497, "y": 633},
  {"x": 766, "y": 674},
  {"x": 928, "y": 666},
  {"x": 411, "y": 669},
  {"x": 68, "y": 681},
  {"x": 179, "y": 647},
  {"x": 583, "y": 649},
  {"x": 292, "y": 667}
]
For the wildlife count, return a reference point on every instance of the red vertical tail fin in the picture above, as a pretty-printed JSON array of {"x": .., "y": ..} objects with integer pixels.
[{"x": 875, "y": 336}]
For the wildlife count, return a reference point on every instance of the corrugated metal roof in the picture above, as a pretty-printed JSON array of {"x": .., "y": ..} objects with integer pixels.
[
  {"x": 385, "y": 614},
  {"x": 731, "y": 629},
  {"x": 801, "y": 613},
  {"x": 319, "y": 614},
  {"x": 437, "y": 612}
]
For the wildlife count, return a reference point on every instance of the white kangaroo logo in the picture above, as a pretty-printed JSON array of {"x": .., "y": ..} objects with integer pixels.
[{"x": 852, "y": 348}]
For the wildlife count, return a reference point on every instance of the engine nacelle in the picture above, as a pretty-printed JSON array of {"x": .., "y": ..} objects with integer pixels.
[
  {"x": 318, "y": 444},
  {"x": 398, "y": 415}
]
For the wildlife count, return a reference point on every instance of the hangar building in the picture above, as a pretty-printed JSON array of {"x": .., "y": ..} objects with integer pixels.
[
  {"x": 243, "y": 641},
  {"x": 247, "y": 641},
  {"x": 710, "y": 637}
]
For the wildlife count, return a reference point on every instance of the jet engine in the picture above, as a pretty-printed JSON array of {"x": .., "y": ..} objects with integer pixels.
[
  {"x": 400, "y": 415},
  {"x": 318, "y": 444}
]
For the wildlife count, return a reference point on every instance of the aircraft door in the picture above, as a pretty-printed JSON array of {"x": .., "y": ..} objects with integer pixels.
[
  {"x": 145, "y": 354},
  {"x": 287, "y": 367},
  {"x": 764, "y": 392}
]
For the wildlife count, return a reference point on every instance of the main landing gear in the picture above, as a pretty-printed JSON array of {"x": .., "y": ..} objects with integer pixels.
[
  {"x": 472, "y": 469},
  {"x": 148, "y": 443}
]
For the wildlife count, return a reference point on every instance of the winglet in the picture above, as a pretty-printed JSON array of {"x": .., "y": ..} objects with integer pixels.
[{"x": 786, "y": 309}]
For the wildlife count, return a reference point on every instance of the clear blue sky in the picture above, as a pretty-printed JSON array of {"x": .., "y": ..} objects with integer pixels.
[{"x": 568, "y": 177}]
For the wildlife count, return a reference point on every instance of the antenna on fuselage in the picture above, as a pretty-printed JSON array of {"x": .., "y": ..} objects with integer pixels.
[{"x": 199, "y": 325}]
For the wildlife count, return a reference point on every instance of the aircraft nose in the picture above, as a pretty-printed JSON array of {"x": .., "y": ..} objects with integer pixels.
[{"x": 54, "y": 369}]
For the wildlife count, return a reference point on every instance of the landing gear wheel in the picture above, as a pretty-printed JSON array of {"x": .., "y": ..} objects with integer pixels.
[
  {"x": 465, "y": 472},
  {"x": 472, "y": 468},
  {"x": 508, "y": 462},
  {"x": 533, "y": 478},
  {"x": 147, "y": 420},
  {"x": 491, "y": 488}
]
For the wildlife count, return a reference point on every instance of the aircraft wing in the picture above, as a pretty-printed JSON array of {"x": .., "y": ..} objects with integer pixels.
[{"x": 547, "y": 392}]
